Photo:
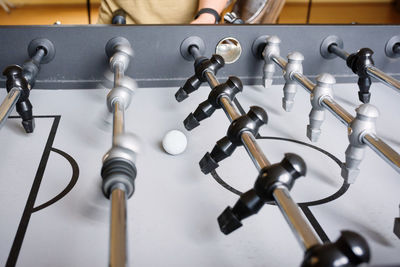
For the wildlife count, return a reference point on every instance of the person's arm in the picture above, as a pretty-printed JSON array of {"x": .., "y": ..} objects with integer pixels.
[{"x": 206, "y": 18}]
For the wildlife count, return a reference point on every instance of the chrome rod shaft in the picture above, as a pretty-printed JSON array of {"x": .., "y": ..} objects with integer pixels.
[
  {"x": 118, "y": 108},
  {"x": 39, "y": 55},
  {"x": 8, "y": 105},
  {"x": 280, "y": 61},
  {"x": 229, "y": 109},
  {"x": 254, "y": 151},
  {"x": 118, "y": 121},
  {"x": 384, "y": 78},
  {"x": 118, "y": 184},
  {"x": 211, "y": 79},
  {"x": 338, "y": 111},
  {"x": 306, "y": 83},
  {"x": 333, "y": 48},
  {"x": 118, "y": 240},
  {"x": 118, "y": 74},
  {"x": 295, "y": 218},
  {"x": 383, "y": 150}
]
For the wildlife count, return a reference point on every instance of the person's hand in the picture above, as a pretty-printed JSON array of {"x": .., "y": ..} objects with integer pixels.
[{"x": 204, "y": 18}]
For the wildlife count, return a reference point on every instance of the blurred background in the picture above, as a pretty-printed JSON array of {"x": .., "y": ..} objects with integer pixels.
[{"x": 39, "y": 12}]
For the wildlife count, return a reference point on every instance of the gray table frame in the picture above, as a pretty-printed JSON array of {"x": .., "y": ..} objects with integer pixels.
[{"x": 80, "y": 60}]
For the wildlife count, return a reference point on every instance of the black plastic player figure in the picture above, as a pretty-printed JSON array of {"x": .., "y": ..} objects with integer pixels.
[
  {"x": 362, "y": 64},
  {"x": 15, "y": 79},
  {"x": 23, "y": 79},
  {"x": 349, "y": 250},
  {"x": 250, "y": 122},
  {"x": 201, "y": 65},
  {"x": 229, "y": 89},
  {"x": 283, "y": 173},
  {"x": 358, "y": 63}
]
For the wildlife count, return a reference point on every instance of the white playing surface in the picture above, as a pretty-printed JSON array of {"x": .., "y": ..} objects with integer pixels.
[{"x": 172, "y": 217}]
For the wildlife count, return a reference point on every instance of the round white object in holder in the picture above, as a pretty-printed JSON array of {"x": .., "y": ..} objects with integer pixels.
[{"x": 174, "y": 142}]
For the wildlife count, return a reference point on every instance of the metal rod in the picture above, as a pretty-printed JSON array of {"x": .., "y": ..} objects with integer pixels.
[
  {"x": 384, "y": 78},
  {"x": 118, "y": 99},
  {"x": 118, "y": 74},
  {"x": 280, "y": 61},
  {"x": 8, "y": 104},
  {"x": 118, "y": 120},
  {"x": 211, "y": 79},
  {"x": 118, "y": 240},
  {"x": 118, "y": 108},
  {"x": 333, "y": 48},
  {"x": 298, "y": 223},
  {"x": 229, "y": 109},
  {"x": 254, "y": 151},
  {"x": 40, "y": 53},
  {"x": 194, "y": 51},
  {"x": 338, "y": 111},
  {"x": 383, "y": 150},
  {"x": 304, "y": 81}
]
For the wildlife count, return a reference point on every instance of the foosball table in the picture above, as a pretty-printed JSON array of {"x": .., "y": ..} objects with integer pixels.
[{"x": 130, "y": 145}]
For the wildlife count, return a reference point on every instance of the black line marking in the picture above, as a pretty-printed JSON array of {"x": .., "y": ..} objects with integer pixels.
[
  {"x": 332, "y": 197},
  {"x": 315, "y": 224},
  {"x": 338, "y": 161},
  {"x": 336, "y": 195},
  {"x": 29, "y": 207},
  {"x": 23, "y": 224},
  {"x": 37, "y": 116},
  {"x": 71, "y": 184},
  {"x": 218, "y": 179}
]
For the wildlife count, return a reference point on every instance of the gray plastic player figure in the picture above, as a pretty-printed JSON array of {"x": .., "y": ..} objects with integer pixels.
[
  {"x": 363, "y": 124},
  {"x": 322, "y": 90},
  {"x": 294, "y": 65},
  {"x": 271, "y": 48}
]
